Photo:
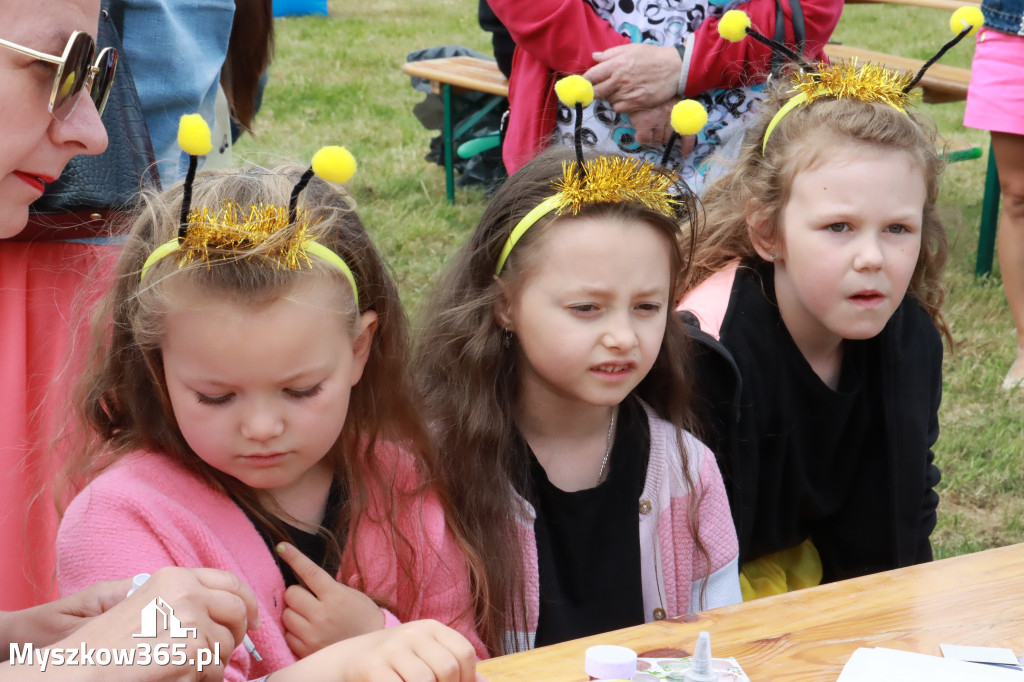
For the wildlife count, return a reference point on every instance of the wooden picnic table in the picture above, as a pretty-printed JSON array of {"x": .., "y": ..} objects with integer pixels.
[
  {"x": 807, "y": 636},
  {"x": 464, "y": 74}
]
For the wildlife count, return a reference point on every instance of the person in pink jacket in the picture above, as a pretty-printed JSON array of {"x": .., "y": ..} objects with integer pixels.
[
  {"x": 250, "y": 411},
  {"x": 554, "y": 371},
  {"x": 642, "y": 56},
  {"x": 45, "y": 279}
]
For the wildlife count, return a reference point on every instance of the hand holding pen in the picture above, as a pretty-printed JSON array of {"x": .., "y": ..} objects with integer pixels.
[
  {"x": 139, "y": 580},
  {"x": 215, "y": 602}
]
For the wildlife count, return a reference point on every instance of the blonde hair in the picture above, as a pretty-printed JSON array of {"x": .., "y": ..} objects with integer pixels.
[
  {"x": 803, "y": 138},
  {"x": 470, "y": 381},
  {"x": 123, "y": 396}
]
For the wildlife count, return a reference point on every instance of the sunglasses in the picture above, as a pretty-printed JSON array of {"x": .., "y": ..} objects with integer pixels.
[{"x": 76, "y": 73}]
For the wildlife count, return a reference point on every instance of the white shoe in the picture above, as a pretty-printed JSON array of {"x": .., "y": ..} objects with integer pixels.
[
  {"x": 1015, "y": 377},
  {"x": 1012, "y": 383}
]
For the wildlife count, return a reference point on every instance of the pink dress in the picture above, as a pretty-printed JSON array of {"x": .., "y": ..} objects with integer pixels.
[{"x": 46, "y": 291}]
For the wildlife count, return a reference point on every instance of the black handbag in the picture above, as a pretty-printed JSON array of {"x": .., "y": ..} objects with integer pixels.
[{"x": 91, "y": 188}]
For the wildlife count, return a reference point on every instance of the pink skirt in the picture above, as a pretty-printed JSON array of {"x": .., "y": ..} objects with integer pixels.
[
  {"x": 995, "y": 96},
  {"x": 47, "y": 291}
]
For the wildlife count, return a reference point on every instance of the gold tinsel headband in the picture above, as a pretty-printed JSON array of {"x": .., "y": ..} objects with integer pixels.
[
  {"x": 607, "y": 179},
  {"x": 206, "y": 233},
  {"x": 868, "y": 83},
  {"x": 846, "y": 80}
]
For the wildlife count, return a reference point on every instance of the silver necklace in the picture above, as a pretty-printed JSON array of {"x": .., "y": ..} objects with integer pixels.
[{"x": 608, "y": 444}]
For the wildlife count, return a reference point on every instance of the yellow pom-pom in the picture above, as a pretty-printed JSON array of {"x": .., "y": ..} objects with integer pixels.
[
  {"x": 573, "y": 90},
  {"x": 689, "y": 117},
  {"x": 194, "y": 135},
  {"x": 733, "y": 25},
  {"x": 964, "y": 17},
  {"x": 334, "y": 164}
]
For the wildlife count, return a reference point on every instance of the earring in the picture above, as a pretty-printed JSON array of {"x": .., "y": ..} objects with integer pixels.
[
  {"x": 772, "y": 256},
  {"x": 506, "y": 338}
]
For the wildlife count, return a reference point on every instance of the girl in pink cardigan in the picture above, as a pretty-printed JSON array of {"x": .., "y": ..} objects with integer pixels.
[
  {"x": 552, "y": 364},
  {"x": 249, "y": 405}
]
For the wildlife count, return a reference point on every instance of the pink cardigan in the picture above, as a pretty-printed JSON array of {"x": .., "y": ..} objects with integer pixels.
[
  {"x": 149, "y": 511},
  {"x": 670, "y": 567}
]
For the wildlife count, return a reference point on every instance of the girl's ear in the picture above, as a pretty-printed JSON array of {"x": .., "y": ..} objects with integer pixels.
[
  {"x": 503, "y": 306},
  {"x": 362, "y": 343},
  {"x": 760, "y": 232}
]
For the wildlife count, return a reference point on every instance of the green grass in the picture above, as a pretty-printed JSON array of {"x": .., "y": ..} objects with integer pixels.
[{"x": 338, "y": 81}]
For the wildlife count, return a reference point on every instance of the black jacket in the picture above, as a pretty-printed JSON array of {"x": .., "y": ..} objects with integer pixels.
[{"x": 911, "y": 387}]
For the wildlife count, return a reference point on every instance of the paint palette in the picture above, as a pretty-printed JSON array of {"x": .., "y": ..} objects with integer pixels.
[{"x": 652, "y": 669}]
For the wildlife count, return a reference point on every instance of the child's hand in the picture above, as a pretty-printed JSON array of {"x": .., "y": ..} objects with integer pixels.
[
  {"x": 325, "y": 611},
  {"x": 421, "y": 650},
  {"x": 424, "y": 650}
]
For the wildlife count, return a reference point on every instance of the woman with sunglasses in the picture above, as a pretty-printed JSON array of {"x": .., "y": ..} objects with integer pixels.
[
  {"x": 52, "y": 77},
  {"x": 48, "y": 64},
  {"x": 52, "y": 87}
]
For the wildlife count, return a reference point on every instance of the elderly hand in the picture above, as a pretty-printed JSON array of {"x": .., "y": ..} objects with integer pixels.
[
  {"x": 635, "y": 76},
  {"x": 654, "y": 127}
]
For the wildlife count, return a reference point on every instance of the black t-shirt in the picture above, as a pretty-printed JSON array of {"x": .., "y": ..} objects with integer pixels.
[
  {"x": 819, "y": 451},
  {"x": 313, "y": 545},
  {"x": 588, "y": 541}
]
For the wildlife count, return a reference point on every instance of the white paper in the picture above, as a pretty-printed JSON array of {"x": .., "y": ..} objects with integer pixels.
[
  {"x": 979, "y": 654},
  {"x": 890, "y": 665}
]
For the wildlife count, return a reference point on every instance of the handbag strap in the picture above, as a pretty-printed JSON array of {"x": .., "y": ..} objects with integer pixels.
[{"x": 799, "y": 35}]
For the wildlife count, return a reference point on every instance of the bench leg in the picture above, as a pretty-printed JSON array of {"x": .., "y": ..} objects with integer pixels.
[
  {"x": 989, "y": 218},
  {"x": 449, "y": 152}
]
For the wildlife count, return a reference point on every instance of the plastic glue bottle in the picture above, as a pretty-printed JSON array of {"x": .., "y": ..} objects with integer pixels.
[{"x": 701, "y": 670}]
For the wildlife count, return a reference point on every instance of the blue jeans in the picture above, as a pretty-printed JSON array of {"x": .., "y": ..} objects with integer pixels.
[{"x": 176, "y": 49}]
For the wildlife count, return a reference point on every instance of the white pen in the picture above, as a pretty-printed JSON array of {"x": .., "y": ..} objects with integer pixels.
[{"x": 139, "y": 580}]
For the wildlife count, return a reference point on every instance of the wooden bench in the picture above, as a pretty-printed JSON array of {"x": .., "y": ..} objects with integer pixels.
[
  {"x": 941, "y": 83},
  {"x": 463, "y": 74}
]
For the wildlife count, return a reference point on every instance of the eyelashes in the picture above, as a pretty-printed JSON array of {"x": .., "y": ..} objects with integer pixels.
[
  {"x": 306, "y": 392},
  {"x": 298, "y": 394}
]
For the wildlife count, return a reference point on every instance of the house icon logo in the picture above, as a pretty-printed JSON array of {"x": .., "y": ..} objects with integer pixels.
[{"x": 158, "y": 616}]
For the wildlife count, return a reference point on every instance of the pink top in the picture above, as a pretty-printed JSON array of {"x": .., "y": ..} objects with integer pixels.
[
  {"x": 709, "y": 300},
  {"x": 672, "y": 572},
  {"x": 47, "y": 289},
  {"x": 149, "y": 511}
]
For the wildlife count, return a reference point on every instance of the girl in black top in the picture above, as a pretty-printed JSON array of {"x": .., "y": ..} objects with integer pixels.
[{"x": 818, "y": 272}]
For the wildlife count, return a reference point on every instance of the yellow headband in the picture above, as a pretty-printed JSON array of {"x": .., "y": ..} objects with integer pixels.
[
  {"x": 869, "y": 83},
  {"x": 607, "y": 179},
  {"x": 229, "y": 229},
  {"x": 604, "y": 180}
]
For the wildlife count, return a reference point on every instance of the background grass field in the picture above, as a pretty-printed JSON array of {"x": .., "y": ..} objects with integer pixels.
[{"x": 338, "y": 81}]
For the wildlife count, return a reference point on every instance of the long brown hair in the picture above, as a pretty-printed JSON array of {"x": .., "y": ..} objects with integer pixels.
[
  {"x": 250, "y": 49},
  {"x": 123, "y": 396},
  {"x": 805, "y": 137},
  {"x": 471, "y": 383}
]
